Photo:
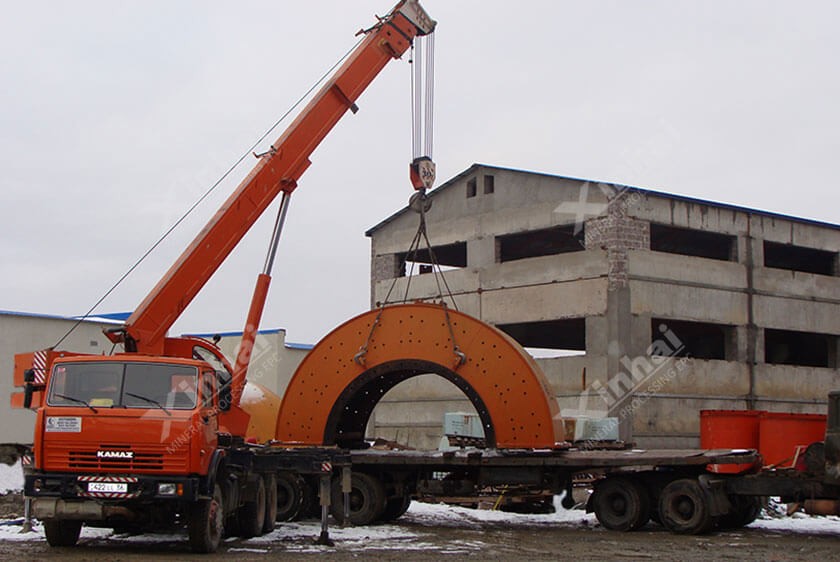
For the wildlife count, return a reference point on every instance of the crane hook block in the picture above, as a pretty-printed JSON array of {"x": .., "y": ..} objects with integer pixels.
[{"x": 422, "y": 173}]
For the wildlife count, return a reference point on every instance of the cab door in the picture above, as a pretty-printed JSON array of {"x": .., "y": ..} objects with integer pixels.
[{"x": 208, "y": 416}]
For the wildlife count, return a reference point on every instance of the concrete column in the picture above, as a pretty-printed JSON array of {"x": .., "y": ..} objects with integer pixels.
[
  {"x": 752, "y": 259},
  {"x": 619, "y": 338},
  {"x": 757, "y": 252},
  {"x": 759, "y": 345},
  {"x": 596, "y": 336},
  {"x": 481, "y": 252},
  {"x": 618, "y": 233},
  {"x": 742, "y": 335}
]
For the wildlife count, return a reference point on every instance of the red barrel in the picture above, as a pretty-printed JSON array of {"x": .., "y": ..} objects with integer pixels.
[
  {"x": 780, "y": 434},
  {"x": 729, "y": 429}
]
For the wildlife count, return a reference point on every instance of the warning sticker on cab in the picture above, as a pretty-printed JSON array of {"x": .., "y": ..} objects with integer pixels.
[{"x": 64, "y": 424}]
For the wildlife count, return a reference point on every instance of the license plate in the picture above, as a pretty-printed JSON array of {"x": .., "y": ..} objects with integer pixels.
[{"x": 112, "y": 487}]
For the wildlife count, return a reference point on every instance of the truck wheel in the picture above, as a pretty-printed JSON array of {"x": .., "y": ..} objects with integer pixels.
[
  {"x": 289, "y": 496},
  {"x": 270, "y": 503},
  {"x": 395, "y": 507},
  {"x": 367, "y": 499},
  {"x": 684, "y": 508},
  {"x": 621, "y": 504},
  {"x": 745, "y": 510},
  {"x": 62, "y": 532},
  {"x": 206, "y": 523},
  {"x": 252, "y": 513}
]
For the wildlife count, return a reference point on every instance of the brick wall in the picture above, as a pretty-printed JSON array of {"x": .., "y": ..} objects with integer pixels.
[{"x": 617, "y": 233}]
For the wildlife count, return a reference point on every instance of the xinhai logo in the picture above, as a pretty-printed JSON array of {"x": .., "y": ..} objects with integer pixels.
[{"x": 115, "y": 454}]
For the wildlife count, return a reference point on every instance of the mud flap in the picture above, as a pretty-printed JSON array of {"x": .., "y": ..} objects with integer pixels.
[{"x": 719, "y": 503}]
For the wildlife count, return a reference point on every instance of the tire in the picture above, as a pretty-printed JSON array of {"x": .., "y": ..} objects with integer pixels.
[
  {"x": 621, "y": 504},
  {"x": 684, "y": 508},
  {"x": 206, "y": 523},
  {"x": 395, "y": 508},
  {"x": 289, "y": 496},
  {"x": 62, "y": 532},
  {"x": 367, "y": 499},
  {"x": 270, "y": 503},
  {"x": 252, "y": 513},
  {"x": 745, "y": 510}
]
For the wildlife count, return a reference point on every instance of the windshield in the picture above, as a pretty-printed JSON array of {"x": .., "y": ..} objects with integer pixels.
[{"x": 125, "y": 385}]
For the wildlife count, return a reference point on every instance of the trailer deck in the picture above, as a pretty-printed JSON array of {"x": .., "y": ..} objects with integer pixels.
[{"x": 572, "y": 459}]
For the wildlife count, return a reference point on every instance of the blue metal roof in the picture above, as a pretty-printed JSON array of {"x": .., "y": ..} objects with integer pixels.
[
  {"x": 233, "y": 334},
  {"x": 289, "y": 345},
  {"x": 100, "y": 318},
  {"x": 121, "y": 316}
]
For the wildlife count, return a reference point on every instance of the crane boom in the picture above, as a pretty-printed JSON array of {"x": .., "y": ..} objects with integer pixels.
[{"x": 277, "y": 171}]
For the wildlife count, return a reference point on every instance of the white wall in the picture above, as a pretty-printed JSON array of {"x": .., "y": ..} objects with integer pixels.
[{"x": 23, "y": 333}]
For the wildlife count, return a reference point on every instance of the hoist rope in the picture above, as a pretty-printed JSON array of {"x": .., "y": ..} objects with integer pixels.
[
  {"x": 422, "y": 112},
  {"x": 412, "y": 255},
  {"x": 430, "y": 92},
  {"x": 208, "y": 192},
  {"x": 422, "y": 96},
  {"x": 416, "y": 103}
]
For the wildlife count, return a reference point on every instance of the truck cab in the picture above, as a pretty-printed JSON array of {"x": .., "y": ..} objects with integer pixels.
[{"x": 128, "y": 439}]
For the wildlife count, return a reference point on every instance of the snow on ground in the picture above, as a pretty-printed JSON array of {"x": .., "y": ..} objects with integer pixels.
[
  {"x": 415, "y": 531},
  {"x": 11, "y": 478},
  {"x": 451, "y": 516},
  {"x": 800, "y": 523}
]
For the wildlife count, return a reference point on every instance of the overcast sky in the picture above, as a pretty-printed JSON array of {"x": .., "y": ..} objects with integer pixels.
[{"x": 116, "y": 116}]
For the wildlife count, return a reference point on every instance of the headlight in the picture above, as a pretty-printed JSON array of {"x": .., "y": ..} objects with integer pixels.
[{"x": 167, "y": 489}]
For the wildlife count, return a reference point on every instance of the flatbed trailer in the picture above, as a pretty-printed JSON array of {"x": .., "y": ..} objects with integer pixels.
[
  {"x": 377, "y": 485},
  {"x": 678, "y": 488},
  {"x": 575, "y": 460}
]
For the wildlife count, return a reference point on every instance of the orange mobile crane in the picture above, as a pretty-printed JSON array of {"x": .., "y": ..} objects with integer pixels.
[{"x": 155, "y": 435}]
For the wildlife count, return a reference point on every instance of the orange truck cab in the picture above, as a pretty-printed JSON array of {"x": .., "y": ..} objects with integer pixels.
[{"x": 128, "y": 428}]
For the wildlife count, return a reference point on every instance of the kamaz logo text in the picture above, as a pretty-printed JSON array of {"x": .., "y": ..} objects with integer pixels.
[{"x": 115, "y": 454}]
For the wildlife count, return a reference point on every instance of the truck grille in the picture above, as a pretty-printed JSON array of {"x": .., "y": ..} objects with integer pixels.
[{"x": 146, "y": 459}]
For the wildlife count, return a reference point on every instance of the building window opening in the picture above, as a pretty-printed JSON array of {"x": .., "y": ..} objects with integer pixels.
[
  {"x": 692, "y": 242},
  {"x": 536, "y": 243},
  {"x": 786, "y": 347},
  {"x": 698, "y": 340},
  {"x": 489, "y": 185},
  {"x": 472, "y": 188},
  {"x": 797, "y": 258},
  {"x": 550, "y": 338},
  {"x": 449, "y": 256}
]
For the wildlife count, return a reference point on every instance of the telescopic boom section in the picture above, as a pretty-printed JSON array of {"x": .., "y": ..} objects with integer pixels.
[{"x": 276, "y": 172}]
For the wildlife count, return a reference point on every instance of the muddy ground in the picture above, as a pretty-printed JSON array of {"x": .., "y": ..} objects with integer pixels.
[
  {"x": 493, "y": 542},
  {"x": 11, "y": 505},
  {"x": 416, "y": 537}
]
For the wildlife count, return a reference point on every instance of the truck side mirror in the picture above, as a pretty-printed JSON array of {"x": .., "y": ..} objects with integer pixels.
[
  {"x": 224, "y": 380},
  {"x": 28, "y": 378},
  {"x": 27, "y": 395},
  {"x": 225, "y": 398}
]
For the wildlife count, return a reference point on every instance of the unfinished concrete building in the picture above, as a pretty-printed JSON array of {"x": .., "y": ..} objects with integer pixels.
[{"x": 639, "y": 304}]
